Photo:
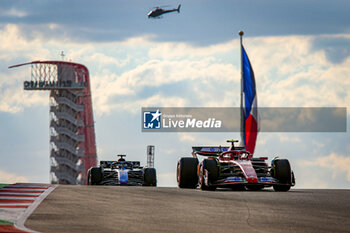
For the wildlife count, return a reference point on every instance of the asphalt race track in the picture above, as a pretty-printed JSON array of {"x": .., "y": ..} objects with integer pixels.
[{"x": 150, "y": 209}]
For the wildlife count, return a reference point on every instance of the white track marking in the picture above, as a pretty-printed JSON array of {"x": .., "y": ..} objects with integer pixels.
[
  {"x": 27, "y": 194},
  {"x": 19, "y": 212},
  {"x": 20, "y": 222},
  {"x": 18, "y": 198},
  {"x": 18, "y": 189}
]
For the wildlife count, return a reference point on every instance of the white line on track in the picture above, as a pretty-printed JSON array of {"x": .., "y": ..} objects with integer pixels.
[
  {"x": 11, "y": 204},
  {"x": 15, "y": 189},
  {"x": 18, "y": 198},
  {"x": 18, "y": 212},
  {"x": 20, "y": 222},
  {"x": 27, "y": 186},
  {"x": 15, "y": 194}
]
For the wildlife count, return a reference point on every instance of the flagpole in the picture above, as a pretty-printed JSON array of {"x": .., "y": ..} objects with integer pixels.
[{"x": 241, "y": 33}]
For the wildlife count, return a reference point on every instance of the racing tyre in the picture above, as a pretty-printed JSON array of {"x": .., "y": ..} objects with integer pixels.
[
  {"x": 96, "y": 176},
  {"x": 213, "y": 173},
  {"x": 150, "y": 177},
  {"x": 186, "y": 173},
  {"x": 89, "y": 177},
  {"x": 255, "y": 187},
  {"x": 282, "y": 172},
  {"x": 238, "y": 187},
  {"x": 281, "y": 188}
]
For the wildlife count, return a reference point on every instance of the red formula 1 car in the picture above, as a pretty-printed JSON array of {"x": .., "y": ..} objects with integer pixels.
[{"x": 233, "y": 167}]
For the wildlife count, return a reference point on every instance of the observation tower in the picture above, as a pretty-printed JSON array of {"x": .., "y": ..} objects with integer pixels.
[{"x": 72, "y": 132}]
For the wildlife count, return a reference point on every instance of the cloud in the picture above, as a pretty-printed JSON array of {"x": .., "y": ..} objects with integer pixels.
[
  {"x": 290, "y": 73},
  {"x": 117, "y": 20},
  {"x": 336, "y": 48},
  {"x": 9, "y": 178},
  {"x": 13, "y": 98},
  {"x": 138, "y": 70},
  {"x": 107, "y": 60},
  {"x": 338, "y": 165},
  {"x": 156, "y": 75},
  {"x": 166, "y": 179},
  {"x": 185, "y": 137},
  {"x": 13, "y": 101},
  {"x": 284, "y": 138},
  {"x": 168, "y": 151},
  {"x": 12, "y": 12},
  {"x": 179, "y": 50},
  {"x": 14, "y": 44}
]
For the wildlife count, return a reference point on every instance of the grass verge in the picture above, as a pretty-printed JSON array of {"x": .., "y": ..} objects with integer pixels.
[
  {"x": 3, "y": 185},
  {"x": 4, "y": 222}
]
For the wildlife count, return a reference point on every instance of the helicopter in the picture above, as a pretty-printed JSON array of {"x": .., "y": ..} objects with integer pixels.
[{"x": 157, "y": 12}]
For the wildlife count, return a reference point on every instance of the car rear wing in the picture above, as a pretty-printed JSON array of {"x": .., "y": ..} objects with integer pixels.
[
  {"x": 108, "y": 164},
  {"x": 211, "y": 150},
  {"x": 208, "y": 150}
]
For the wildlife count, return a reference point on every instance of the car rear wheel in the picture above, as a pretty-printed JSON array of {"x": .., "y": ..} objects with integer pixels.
[
  {"x": 150, "y": 177},
  {"x": 187, "y": 176},
  {"x": 213, "y": 174},
  {"x": 282, "y": 172},
  {"x": 89, "y": 177},
  {"x": 95, "y": 176},
  {"x": 281, "y": 188}
]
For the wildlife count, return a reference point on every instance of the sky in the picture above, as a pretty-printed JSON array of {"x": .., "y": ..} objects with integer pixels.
[{"x": 299, "y": 50}]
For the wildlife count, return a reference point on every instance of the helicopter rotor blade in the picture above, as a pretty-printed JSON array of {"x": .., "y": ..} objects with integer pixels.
[{"x": 160, "y": 7}]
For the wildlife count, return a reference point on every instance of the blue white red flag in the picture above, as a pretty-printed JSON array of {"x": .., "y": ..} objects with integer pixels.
[{"x": 250, "y": 105}]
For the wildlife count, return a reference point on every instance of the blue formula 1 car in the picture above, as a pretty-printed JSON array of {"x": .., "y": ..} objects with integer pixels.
[{"x": 122, "y": 172}]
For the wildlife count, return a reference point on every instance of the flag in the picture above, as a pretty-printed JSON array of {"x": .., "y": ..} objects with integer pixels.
[{"x": 249, "y": 105}]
